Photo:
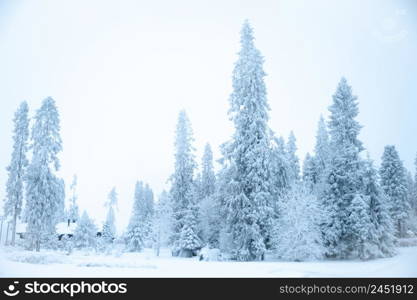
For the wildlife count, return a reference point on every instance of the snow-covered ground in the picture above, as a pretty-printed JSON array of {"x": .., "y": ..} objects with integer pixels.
[{"x": 19, "y": 263}]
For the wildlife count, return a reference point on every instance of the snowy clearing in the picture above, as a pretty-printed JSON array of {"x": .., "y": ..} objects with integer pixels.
[{"x": 19, "y": 263}]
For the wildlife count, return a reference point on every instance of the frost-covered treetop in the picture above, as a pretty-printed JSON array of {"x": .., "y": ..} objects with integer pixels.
[
  {"x": 322, "y": 139},
  {"x": 249, "y": 91},
  {"x": 208, "y": 177},
  {"x": 344, "y": 129},
  {"x": 45, "y": 134},
  {"x": 21, "y": 132},
  {"x": 19, "y": 162},
  {"x": 183, "y": 143},
  {"x": 112, "y": 198}
]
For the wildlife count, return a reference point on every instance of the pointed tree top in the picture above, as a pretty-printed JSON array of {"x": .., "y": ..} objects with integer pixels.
[
  {"x": 207, "y": 148},
  {"x": 48, "y": 101},
  {"x": 291, "y": 143},
  {"x": 246, "y": 33},
  {"x": 321, "y": 128},
  {"x": 182, "y": 113},
  {"x": 291, "y": 136},
  {"x": 183, "y": 119},
  {"x": 24, "y": 106},
  {"x": 112, "y": 198},
  {"x": 344, "y": 91},
  {"x": 321, "y": 120}
]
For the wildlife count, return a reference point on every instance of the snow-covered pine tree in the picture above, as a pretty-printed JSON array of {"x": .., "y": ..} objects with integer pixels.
[
  {"x": 222, "y": 196},
  {"x": 322, "y": 150},
  {"x": 135, "y": 234},
  {"x": 394, "y": 184},
  {"x": 208, "y": 177},
  {"x": 343, "y": 174},
  {"x": 43, "y": 188},
  {"x": 150, "y": 211},
  {"x": 411, "y": 221},
  {"x": 293, "y": 161},
  {"x": 189, "y": 241},
  {"x": 309, "y": 171},
  {"x": 16, "y": 169},
  {"x": 109, "y": 227},
  {"x": 279, "y": 168},
  {"x": 149, "y": 199},
  {"x": 208, "y": 208},
  {"x": 249, "y": 212},
  {"x": 361, "y": 227},
  {"x": 73, "y": 213},
  {"x": 139, "y": 230},
  {"x": 182, "y": 179},
  {"x": 382, "y": 233},
  {"x": 162, "y": 222},
  {"x": 85, "y": 234},
  {"x": 297, "y": 235}
]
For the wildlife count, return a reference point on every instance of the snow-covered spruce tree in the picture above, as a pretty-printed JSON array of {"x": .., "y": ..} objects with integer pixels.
[
  {"x": 85, "y": 234},
  {"x": 248, "y": 204},
  {"x": 162, "y": 222},
  {"x": 309, "y": 171},
  {"x": 222, "y": 197},
  {"x": 73, "y": 213},
  {"x": 149, "y": 212},
  {"x": 322, "y": 150},
  {"x": 182, "y": 179},
  {"x": 382, "y": 232},
  {"x": 43, "y": 188},
  {"x": 208, "y": 177},
  {"x": 410, "y": 187},
  {"x": 109, "y": 227},
  {"x": 139, "y": 230},
  {"x": 297, "y": 235},
  {"x": 189, "y": 240},
  {"x": 394, "y": 184},
  {"x": 17, "y": 168},
  {"x": 279, "y": 168},
  {"x": 135, "y": 234},
  {"x": 343, "y": 174},
  {"x": 149, "y": 199},
  {"x": 208, "y": 208},
  {"x": 411, "y": 222},
  {"x": 361, "y": 227},
  {"x": 293, "y": 161}
]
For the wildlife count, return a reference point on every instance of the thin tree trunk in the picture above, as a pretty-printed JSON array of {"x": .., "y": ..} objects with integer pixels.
[
  {"x": 7, "y": 233},
  {"x": 14, "y": 229},
  {"x": 400, "y": 233},
  {"x": 158, "y": 245}
]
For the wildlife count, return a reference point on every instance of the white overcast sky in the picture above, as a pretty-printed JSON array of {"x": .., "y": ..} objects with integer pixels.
[{"x": 121, "y": 70}]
